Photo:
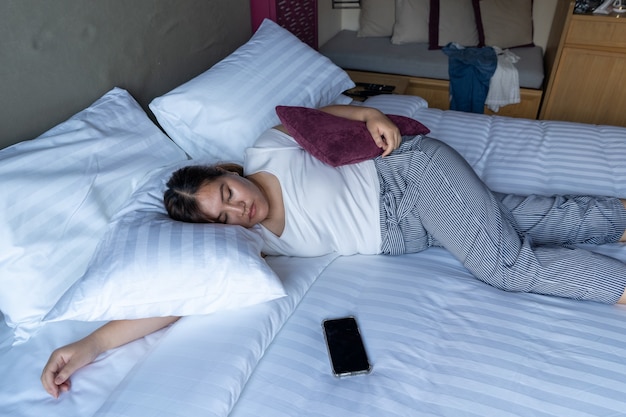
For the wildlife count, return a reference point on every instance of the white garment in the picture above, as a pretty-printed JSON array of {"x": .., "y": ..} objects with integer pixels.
[
  {"x": 326, "y": 209},
  {"x": 504, "y": 84}
]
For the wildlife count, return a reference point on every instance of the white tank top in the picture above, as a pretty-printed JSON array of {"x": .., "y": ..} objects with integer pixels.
[{"x": 326, "y": 209}]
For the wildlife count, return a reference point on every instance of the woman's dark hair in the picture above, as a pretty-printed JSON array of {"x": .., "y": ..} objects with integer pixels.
[{"x": 180, "y": 196}]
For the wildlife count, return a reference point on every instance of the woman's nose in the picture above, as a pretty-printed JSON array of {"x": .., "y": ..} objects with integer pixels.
[{"x": 237, "y": 208}]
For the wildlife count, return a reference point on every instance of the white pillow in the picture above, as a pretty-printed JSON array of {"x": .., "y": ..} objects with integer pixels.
[
  {"x": 403, "y": 105},
  {"x": 59, "y": 192},
  {"x": 453, "y": 21},
  {"x": 507, "y": 23},
  {"x": 376, "y": 18},
  {"x": 411, "y": 23},
  {"x": 222, "y": 111},
  {"x": 148, "y": 265}
]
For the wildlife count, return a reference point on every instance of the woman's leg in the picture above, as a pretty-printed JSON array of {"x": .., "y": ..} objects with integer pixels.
[
  {"x": 566, "y": 220},
  {"x": 463, "y": 215}
]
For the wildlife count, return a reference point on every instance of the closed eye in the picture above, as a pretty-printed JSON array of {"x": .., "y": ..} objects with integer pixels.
[
  {"x": 230, "y": 197},
  {"x": 227, "y": 195}
]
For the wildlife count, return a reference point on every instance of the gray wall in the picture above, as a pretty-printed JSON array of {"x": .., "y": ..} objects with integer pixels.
[{"x": 58, "y": 56}]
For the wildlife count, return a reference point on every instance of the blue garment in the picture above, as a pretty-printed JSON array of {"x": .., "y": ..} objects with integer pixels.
[
  {"x": 470, "y": 70},
  {"x": 430, "y": 196}
]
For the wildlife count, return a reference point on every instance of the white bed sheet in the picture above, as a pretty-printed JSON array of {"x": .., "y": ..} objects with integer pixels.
[
  {"x": 197, "y": 366},
  {"x": 443, "y": 344},
  {"x": 22, "y": 395},
  {"x": 201, "y": 366}
]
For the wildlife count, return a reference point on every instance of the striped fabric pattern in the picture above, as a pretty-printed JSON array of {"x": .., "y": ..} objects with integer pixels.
[
  {"x": 201, "y": 365},
  {"x": 167, "y": 267},
  {"x": 395, "y": 104},
  {"x": 528, "y": 156},
  {"x": 426, "y": 186},
  {"x": 59, "y": 192},
  {"x": 443, "y": 344},
  {"x": 525, "y": 156},
  {"x": 224, "y": 110}
]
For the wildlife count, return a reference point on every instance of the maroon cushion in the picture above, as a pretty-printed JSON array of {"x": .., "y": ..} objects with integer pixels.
[{"x": 336, "y": 140}]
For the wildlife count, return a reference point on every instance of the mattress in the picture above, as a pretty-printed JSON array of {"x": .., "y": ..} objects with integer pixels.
[
  {"x": 441, "y": 342},
  {"x": 378, "y": 54}
]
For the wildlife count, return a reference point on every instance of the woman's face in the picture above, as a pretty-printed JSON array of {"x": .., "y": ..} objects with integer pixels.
[{"x": 232, "y": 199}]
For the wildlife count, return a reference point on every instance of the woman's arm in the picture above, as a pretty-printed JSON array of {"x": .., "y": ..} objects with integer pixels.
[
  {"x": 66, "y": 360},
  {"x": 385, "y": 133}
]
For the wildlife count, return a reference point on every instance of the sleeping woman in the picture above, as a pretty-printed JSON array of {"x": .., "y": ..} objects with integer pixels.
[{"x": 418, "y": 193}]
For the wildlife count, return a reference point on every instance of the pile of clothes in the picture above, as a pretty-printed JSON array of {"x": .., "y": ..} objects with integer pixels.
[{"x": 480, "y": 77}]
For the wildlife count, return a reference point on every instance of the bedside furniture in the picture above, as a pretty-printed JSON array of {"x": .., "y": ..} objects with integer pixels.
[
  {"x": 588, "y": 79},
  {"x": 426, "y": 71},
  {"x": 399, "y": 82}
]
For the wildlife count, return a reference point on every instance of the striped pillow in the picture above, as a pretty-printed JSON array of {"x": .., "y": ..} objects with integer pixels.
[
  {"x": 59, "y": 191},
  {"x": 148, "y": 265},
  {"x": 223, "y": 110},
  {"x": 545, "y": 157}
]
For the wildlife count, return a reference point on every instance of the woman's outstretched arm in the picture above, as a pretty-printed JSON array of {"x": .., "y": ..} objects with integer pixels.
[{"x": 66, "y": 360}]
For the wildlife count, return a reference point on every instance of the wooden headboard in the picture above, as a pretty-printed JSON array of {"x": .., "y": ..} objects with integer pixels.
[{"x": 57, "y": 57}]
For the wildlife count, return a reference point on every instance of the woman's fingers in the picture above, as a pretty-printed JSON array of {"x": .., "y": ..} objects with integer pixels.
[
  {"x": 50, "y": 376},
  {"x": 63, "y": 362},
  {"x": 385, "y": 133},
  {"x": 390, "y": 140}
]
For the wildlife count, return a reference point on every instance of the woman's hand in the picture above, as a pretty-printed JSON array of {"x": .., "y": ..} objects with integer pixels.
[
  {"x": 384, "y": 132},
  {"x": 65, "y": 361}
]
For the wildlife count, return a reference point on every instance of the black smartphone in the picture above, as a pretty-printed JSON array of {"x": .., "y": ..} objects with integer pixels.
[{"x": 345, "y": 347}]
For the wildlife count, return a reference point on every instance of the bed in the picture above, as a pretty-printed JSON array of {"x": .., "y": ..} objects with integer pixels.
[{"x": 85, "y": 240}]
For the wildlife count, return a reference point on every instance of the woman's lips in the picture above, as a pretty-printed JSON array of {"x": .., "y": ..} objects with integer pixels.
[{"x": 252, "y": 211}]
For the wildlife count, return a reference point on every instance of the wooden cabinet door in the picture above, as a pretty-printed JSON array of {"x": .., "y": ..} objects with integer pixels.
[{"x": 589, "y": 87}]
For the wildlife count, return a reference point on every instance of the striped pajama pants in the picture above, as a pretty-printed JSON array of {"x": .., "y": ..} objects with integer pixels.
[{"x": 430, "y": 196}]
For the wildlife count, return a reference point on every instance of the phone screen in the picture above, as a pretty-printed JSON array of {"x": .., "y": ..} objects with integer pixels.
[{"x": 345, "y": 347}]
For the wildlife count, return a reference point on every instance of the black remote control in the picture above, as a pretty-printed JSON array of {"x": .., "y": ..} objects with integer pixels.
[
  {"x": 368, "y": 93},
  {"x": 376, "y": 87}
]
